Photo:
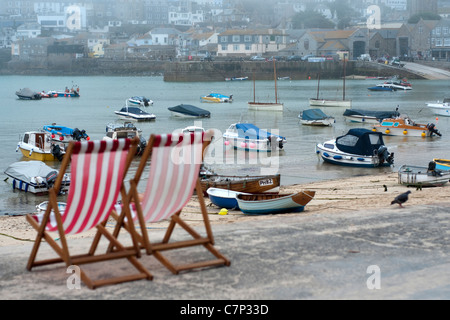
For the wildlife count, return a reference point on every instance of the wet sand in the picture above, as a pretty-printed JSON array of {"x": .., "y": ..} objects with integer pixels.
[{"x": 333, "y": 196}]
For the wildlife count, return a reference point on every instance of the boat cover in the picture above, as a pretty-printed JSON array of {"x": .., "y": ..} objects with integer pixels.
[
  {"x": 314, "y": 114},
  {"x": 25, "y": 170},
  {"x": 371, "y": 113},
  {"x": 250, "y": 131},
  {"x": 360, "y": 141},
  {"x": 190, "y": 110}
]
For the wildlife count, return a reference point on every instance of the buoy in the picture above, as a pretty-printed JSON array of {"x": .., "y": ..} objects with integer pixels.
[
  {"x": 423, "y": 134},
  {"x": 374, "y": 130},
  {"x": 252, "y": 145},
  {"x": 243, "y": 144},
  {"x": 405, "y": 132},
  {"x": 227, "y": 142},
  {"x": 223, "y": 212},
  {"x": 388, "y": 131}
]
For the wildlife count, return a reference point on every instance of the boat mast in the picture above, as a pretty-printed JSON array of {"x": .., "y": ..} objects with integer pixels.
[
  {"x": 343, "y": 90},
  {"x": 318, "y": 84},
  {"x": 275, "y": 78}
]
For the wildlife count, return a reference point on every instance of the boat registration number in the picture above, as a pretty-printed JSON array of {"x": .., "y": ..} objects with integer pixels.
[{"x": 265, "y": 182}]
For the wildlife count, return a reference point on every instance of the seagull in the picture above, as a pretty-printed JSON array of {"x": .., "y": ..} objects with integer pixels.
[{"x": 401, "y": 198}]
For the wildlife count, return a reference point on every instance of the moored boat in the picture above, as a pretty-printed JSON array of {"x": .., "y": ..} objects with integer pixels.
[
  {"x": 216, "y": 98},
  {"x": 315, "y": 117},
  {"x": 419, "y": 176},
  {"x": 380, "y": 87},
  {"x": 248, "y": 137},
  {"x": 38, "y": 145},
  {"x": 140, "y": 101},
  {"x": 247, "y": 184},
  {"x": 368, "y": 116},
  {"x": 134, "y": 113},
  {"x": 442, "y": 164},
  {"x": 28, "y": 94},
  {"x": 274, "y": 203},
  {"x": 65, "y": 134},
  {"x": 404, "y": 126},
  {"x": 35, "y": 177},
  {"x": 189, "y": 111},
  {"x": 440, "y": 108},
  {"x": 126, "y": 130},
  {"x": 358, "y": 148}
]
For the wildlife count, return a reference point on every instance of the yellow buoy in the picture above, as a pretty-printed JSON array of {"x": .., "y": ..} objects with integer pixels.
[
  {"x": 423, "y": 134},
  {"x": 388, "y": 131},
  {"x": 405, "y": 132},
  {"x": 223, "y": 212},
  {"x": 374, "y": 129}
]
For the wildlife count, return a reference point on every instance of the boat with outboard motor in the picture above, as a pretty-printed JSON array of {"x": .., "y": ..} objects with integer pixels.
[
  {"x": 35, "y": 177},
  {"x": 440, "y": 108},
  {"x": 368, "y": 116},
  {"x": 404, "y": 126},
  {"x": 39, "y": 145},
  {"x": 248, "y": 137},
  {"x": 28, "y": 94},
  {"x": 134, "y": 113},
  {"x": 315, "y": 117},
  {"x": 65, "y": 134},
  {"x": 216, "y": 98},
  {"x": 358, "y": 148},
  {"x": 189, "y": 111},
  {"x": 140, "y": 101},
  {"x": 125, "y": 130}
]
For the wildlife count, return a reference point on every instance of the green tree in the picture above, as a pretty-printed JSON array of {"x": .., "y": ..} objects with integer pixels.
[
  {"x": 425, "y": 16},
  {"x": 311, "y": 19}
]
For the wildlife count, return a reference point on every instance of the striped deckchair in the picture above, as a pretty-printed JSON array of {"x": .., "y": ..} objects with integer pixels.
[
  {"x": 97, "y": 170},
  {"x": 173, "y": 176}
]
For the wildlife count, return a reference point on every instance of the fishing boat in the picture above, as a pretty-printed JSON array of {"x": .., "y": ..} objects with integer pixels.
[
  {"x": 35, "y": 177},
  {"x": 369, "y": 116},
  {"x": 442, "y": 164},
  {"x": 39, "y": 145},
  {"x": 223, "y": 198},
  {"x": 266, "y": 106},
  {"x": 126, "y": 130},
  {"x": 216, "y": 98},
  {"x": 329, "y": 102},
  {"x": 248, "y": 137},
  {"x": 404, "y": 126},
  {"x": 74, "y": 92},
  {"x": 274, "y": 203},
  {"x": 315, "y": 117},
  {"x": 134, "y": 113},
  {"x": 236, "y": 79},
  {"x": 247, "y": 184},
  {"x": 189, "y": 111},
  {"x": 65, "y": 134},
  {"x": 440, "y": 108},
  {"x": 420, "y": 176},
  {"x": 28, "y": 94},
  {"x": 358, "y": 148},
  {"x": 396, "y": 85},
  {"x": 140, "y": 101}
]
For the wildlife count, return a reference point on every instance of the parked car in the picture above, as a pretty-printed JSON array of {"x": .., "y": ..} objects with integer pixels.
[
  {"x": 276, "y": 58},
  {"x": 305, "y": 58},
  {"x": 257, "y": 58},
  {"x": 294, "y": 58}
]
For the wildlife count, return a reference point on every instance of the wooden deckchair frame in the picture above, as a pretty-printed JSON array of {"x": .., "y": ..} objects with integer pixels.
[
  {"x": 156, "y": 248},
  {"x": 62, "y": 250}
]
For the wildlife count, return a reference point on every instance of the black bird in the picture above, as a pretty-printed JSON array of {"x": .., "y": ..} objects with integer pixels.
[{"x": 401, "y": 198}]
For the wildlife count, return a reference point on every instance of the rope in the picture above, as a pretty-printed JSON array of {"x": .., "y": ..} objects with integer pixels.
[{"x": 15, "y": 238}]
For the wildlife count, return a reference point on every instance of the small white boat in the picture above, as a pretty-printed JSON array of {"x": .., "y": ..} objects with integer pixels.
[
  {"x": 330, "y": 103},
  {"x": 216, "y": 98},
  {"x": 417, "y": 176},
  {"x": 126, "y": 130},
  {"x": 315, "y": 117},
  {"x": 440, "y": 108},
  {"x": 134, "y": 113},
  {"x": 39, "y": 145},
  {"x": 34, "y": 177},
  {"x": 140, "y": 101},
  {"x": 248, "y": 137},
  {"x": 368, "y": 116},
  {"x": 358, "y": 148},
  {"x": 274, "y": 203}
]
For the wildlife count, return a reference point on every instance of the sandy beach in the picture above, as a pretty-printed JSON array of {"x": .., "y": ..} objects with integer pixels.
[{"x": 333, "y": 196}]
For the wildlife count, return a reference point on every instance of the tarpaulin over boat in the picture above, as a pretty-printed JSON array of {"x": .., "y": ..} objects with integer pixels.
[
  {"x": 371, "y": 113},
  {"x": 360, "y": 141},
  {"x": 26, "y": 170},
  {"x": 250, "y": 131},
  {"x": 314, "y": 114}
]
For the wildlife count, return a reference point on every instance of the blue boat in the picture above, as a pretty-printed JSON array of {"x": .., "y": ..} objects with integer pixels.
[
  {"x": 381, "y": 88},
  {"x": 66, "y": 134},
  {"x": 216, "y": 98},
  {"x": 442, "y": 164},
  {"x": 224, "y": 198}
]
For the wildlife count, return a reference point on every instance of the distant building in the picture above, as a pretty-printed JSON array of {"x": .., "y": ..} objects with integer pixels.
[
  {"x": 420, "y": 6},
  {"x": 440, "y": 40}
]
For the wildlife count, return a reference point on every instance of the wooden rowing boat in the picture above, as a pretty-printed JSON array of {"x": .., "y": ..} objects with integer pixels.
[
  {"x": 274, "y": 203},
  {"x": 248, "y": 184}
]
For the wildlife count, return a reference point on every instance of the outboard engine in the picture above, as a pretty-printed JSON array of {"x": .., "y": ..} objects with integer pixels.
[
  {"x": 384, "y": 155},
  {"x": 432, "y": 128},
  {"x": 141, "y": 146},
  {"x": 146, "y": 104},
  {"x": 51, "y": 178},
  {"x": 56, "y": 152},
  {"x": 79, "y": 134}
]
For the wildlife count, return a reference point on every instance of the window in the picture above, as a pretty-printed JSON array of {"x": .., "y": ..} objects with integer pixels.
[
  {"x": 447, "y": 42},
  {"x": 248, "y": 47},
  {"x": 236, "y": 38},
  {"x": 236, "y": 47},
  {"x": 224, "y": 47},
  {"x": 223, "y": 39},
  {"x": 247, "y": 38}
]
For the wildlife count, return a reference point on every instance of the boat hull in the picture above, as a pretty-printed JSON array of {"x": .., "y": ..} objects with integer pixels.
[
  {"x": 442, "y": 164},
  {"x": 420, "y": 176},
  {"x": 262, "y": 106},
  {"x": 440, "y": 109},
  {"x": 330, "y": 103},
  {"x": 223, "y": 198},
  {"x": 319, "y": 123},
  {"x": 246, "y": 184},
  {"x": 259, "y": 204},
  {"x": 38, "y": 155}
]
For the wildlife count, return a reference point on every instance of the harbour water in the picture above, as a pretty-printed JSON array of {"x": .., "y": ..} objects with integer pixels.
[{"x": 298, "y": 163}]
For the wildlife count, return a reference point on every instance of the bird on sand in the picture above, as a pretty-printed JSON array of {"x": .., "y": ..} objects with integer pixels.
[{"x": 401, "y": 198}]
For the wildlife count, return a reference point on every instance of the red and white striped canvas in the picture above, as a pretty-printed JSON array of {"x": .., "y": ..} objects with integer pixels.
[
  {"x": 174, "y": 170},
  {"x": 97, "y": 172}
]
